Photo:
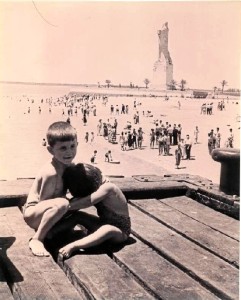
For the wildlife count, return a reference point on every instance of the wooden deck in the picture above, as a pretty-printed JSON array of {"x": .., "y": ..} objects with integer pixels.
[{"x": 178, "y": 249}]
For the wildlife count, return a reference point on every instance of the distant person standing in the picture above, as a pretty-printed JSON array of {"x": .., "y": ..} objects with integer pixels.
[
  {"x": 92, "y": 137},
  {"x": 196, "y": 133},
  {"x": 152, "y": 138},
  {"x": 218, "y": 138},
  {"x": 139, "y": 137},
  {"x": 161, "y": 144},
  {"x": 112, "y": 109},
  {"x": 86, "y": 137},
  {"x": 122, "y": 141},
  {"x": 84, "y": 119},
  {"x": 182, "y": 144},
  {"x": 93, "y": 157},
  {"x": 170, "y": 132},
  {"x": 99, "y": 127},
  {"x": 188, "y": 146},
  {"x": 175, "y": 135},
  {"x": 123, "y": 109},
  {"x": 179, "y": 132},
  {"x": 230, "y": 138},
  {"x": 134, "y": 137},
  {"x": 210, "y": 143},
  {"x": 178, "y": 155}
]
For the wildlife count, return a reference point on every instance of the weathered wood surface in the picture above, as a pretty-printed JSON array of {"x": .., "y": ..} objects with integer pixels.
[
  {"x": 178, "y": 249},
  {"x": 205, "y": 215},
  {"x": 190, "y": 257},
  {"x": 28, "y": 276},
  {"x": 201, "y": 234}
]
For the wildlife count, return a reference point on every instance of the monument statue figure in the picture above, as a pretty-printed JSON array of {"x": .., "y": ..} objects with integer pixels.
[
  {"x": 163, "y": 67},
  {"x": 163, "y": 43}
]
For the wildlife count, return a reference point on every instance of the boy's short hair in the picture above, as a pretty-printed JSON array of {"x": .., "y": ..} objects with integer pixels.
[
  {"x": 60, "y": 132},
  {"x": 82, "y": 179}
]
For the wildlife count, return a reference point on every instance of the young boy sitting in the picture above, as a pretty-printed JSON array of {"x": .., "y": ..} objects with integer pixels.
[
  {"x": 46, "y": 203},
  {"x": 85, "y": 183}
]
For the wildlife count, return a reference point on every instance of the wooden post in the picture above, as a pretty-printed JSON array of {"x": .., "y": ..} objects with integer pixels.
[{"x": 230, "y": 169}]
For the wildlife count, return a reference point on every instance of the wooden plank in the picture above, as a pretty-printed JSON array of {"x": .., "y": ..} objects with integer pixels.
[
  {"x": 101, "y": 278},
  {"x": 206, "y": 237},
  {"x": 205, "y": 215},
  {"x": 164, "y": 279},
  {"x": 219, "y": 276},
  {"x": 30, "y": 277},
  {"x": 144, "y": 189}
]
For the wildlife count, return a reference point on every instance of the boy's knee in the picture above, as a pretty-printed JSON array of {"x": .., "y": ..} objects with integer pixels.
[{"x": 61, "y": 205}]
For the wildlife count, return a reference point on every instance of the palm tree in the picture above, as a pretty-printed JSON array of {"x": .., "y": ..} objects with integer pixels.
[
  {"x": 108, "y": 82},
  {"x": 182, "y": 84},
  {"x": 223, "y": 83},
  {"x": 173, "y": 84},
  {"x": 146, "y": 81}
]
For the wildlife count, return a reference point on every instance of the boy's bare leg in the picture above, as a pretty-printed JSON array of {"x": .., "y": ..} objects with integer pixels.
[
  {"x": 89, "y": 221},
  {"x": 105, "y": 232},
  {"x": 42, "y": 217}
]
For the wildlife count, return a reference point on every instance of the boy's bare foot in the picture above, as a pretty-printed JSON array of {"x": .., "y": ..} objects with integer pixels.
[
  {"x": 37, "y": 248},
  {"x": 66, "y": 251}
]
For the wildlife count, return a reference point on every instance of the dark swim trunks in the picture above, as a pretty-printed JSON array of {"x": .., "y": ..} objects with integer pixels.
[{"x": 107, "y": 216}]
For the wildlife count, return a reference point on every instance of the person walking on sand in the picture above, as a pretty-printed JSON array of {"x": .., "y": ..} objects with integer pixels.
[
  {"x": 99, "y": 127},
  {"x": 92, "y": 138},
  {"x": 218, "y": 138},
  {"x": 122, "y": 141},
  {"x": 152, "y": 138},
  {"x": 230, "y": 138},
  {"x": 134, "y": 139},
  {"x": 178, "y": 155},
  {"x": 139, "y": 137},
  {"x": 196, "y": 133},
  {"x": 188, "y": 146},
  {"x": 86, "y": 137}
]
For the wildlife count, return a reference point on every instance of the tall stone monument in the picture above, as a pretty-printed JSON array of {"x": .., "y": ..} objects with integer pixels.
[{"x": 163, "y": 67}]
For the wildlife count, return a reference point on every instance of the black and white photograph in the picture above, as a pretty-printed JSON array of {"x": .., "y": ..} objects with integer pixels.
[{"x": 141, "y": 99}]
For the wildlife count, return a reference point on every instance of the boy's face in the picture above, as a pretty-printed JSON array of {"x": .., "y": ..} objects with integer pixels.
[{"x": 64, "y": 152}]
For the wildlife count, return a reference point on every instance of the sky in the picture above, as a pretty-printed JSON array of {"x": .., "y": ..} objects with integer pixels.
[{"x": 90, "y": 42}]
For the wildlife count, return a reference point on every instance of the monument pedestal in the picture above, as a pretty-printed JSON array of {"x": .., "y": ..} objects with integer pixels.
[{"x": 159, "y": 75}]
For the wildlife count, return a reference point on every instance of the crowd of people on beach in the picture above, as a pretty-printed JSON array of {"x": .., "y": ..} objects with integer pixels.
[{"x": 164, "y": 136}]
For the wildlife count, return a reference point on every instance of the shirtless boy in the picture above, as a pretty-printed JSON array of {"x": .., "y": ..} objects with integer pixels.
[
  {"x": 46, "y": 203},
  {"x": 86, "y": 184}
]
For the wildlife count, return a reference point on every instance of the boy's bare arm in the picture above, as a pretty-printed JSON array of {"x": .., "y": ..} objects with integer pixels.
[
  {"x": 104, "y": 191},
  {"x": 33, "y": 194}
]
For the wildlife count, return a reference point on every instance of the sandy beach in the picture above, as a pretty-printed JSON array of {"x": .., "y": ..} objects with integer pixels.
[{"x": 22, "y": 153}]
